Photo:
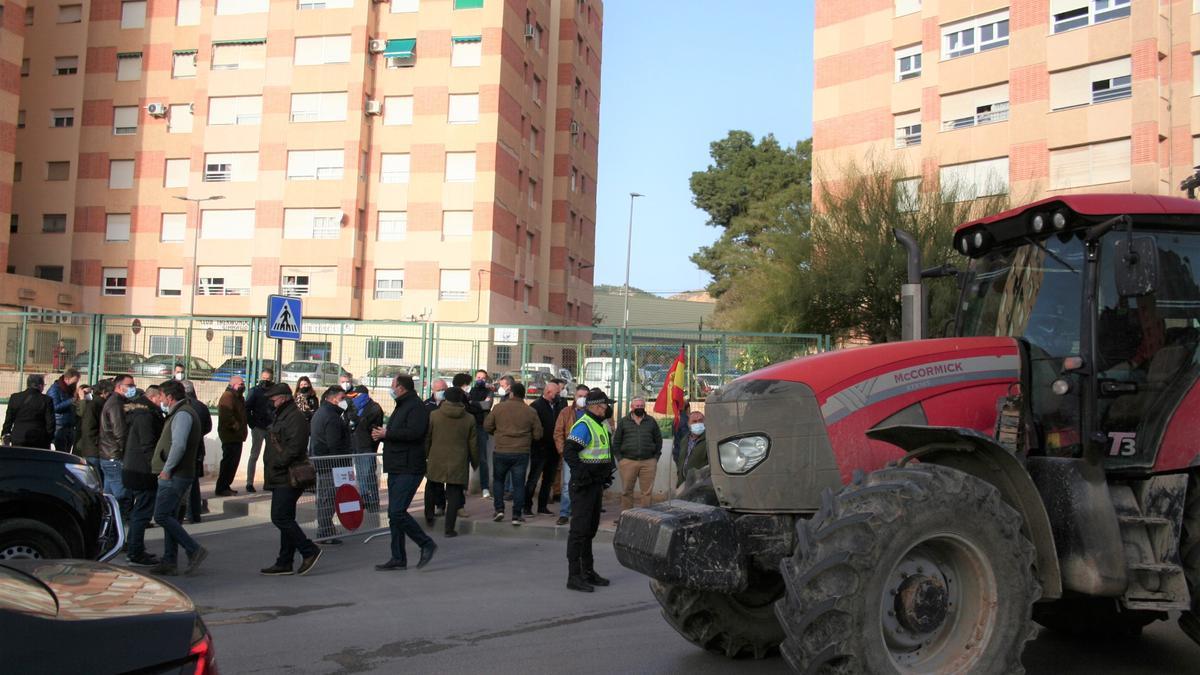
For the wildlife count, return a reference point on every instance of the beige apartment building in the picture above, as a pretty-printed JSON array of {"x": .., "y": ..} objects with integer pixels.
[
  {"x": 404, "y": 160},
  {"x": 1034, "y": 97}
]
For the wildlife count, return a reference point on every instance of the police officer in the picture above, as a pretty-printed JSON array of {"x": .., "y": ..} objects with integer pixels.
[{"x": 588, "y": 451}]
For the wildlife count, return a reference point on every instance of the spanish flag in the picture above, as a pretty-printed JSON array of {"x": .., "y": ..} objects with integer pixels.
[{"x": 673, "y": 396}]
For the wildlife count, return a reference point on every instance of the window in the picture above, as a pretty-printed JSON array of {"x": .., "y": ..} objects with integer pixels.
[
  {"x": 61, "y": 118},
  {"x": 179, "y": 118},
  {"x": 400, "y": 53},
  {"x": 468, "y": 4},
  {"x": 394, "y": 168},
  {"x": 574, "y": 180},
  {"x": 166, "y": 344},
  {"x": 312, "y": 223},
  {"x": 48, "y": 272},
  {"x": 214, "y": 280},
  {"x": 120, "y": 174},
  {"x": 1095, "y": 164},
  {"x": 311, "y": 51},
  {"x": 535, "y": 140},
  {"x": 905, "y": 7},
  {"x": 239, "y": 55},
  {"x": 527, "y": 291},
  {"x": 245, "y": 110},
  {"x": 327, "y": 106},
  {"x": 908, "y": 129},
  {"x": 174, "y": 225},
  {"x": 115, "y": 278},
  {"x": 1096, "y": 83},
  {"x": 129, "y": 66},
  {"x": 227, "y": 224},
  {"x": 21, "y": 119},
  {"x": 532, "y": 193},
  {"x": 54, "y": 223},
  {"x": 176, "y": 174},
  {"x": 170, "y": 282},
  {"x": 397, "y": 110},
  {"x": 18, "y": 171},
  {"x": 466, "y": 51},
  {"x": 133, "y": 14},
  {"x": 908, "y": 62},
  {"x": 232, "y": 345},
  {"x": 325, "y": 4},
  {"x": 405, "y": 6},
  {"x": 389, "y": 284},
  {"x": 464, "y": 109},
  {"x": 187, "y": 13},
  {"x": 460, "y": 167},
  {"x": 455, "y": 285},
  {"x": 457, "y": 224},
  {"x": 975, "y": 107},
  {"x": 310, "y": 281},
  {"x": 28, "y": 16},
  {"x": 393, "y": 225},
  {"x": 66, "y": 65},
  {"x": 14, "y": 222},
  {"x": 294, "y": 285},
  {"x": 58, "y": 171},
  {"x": 183, "y": 64},
  {"x": 962, "y": 182},
  {"x": 503, "y": 355},
  {"x": 537, "y": 90},
  {"x": 975, "y": 35},
  {"x": 385, "y": 349},
  {"x": 1067, "y": 15},
  {"x": 315, "y": 164},
  {"x": 116, "y": 227},
  {"x": 908, "y": 194},
  {"x": 230, "y": 167},
  {"x": 125, "y": 120},
  {"x": 24, "y": 67},
  {"x": 242, "y": 6}
]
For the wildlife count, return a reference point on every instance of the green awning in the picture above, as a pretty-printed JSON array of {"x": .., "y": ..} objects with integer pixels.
[
  {"x": 252, "y": 41},
  {"x": 468, "y": 38},
  {"x": 468, "y": 4},
  {"x": 402, "y": 48},
  {"x": 184, "y": 51},
  {"x": 129, "y": 55}
]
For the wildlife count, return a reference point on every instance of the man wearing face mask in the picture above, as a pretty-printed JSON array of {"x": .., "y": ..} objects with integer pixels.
[
  {"x": 260, "y": 412},
  {"x": 637, "y": 444},
  {"x": 694, "y": 455},
  {"x": 404, "y": 462},
  {"x": 112, "y": 438},
  {"x": 29, "y": 419},
  {"x": 438, "y": 389},
  {"x": 543, "y": 460},
  {"x": 435, "y": 493},
  {"x": 175, "y": 461},
  {"x": 180, "y": 372},
  {"x": 562, "y": 428},
  {"x": 329, "y": 436},
  {"x": 588, "y": 451},
  {"x": 479, "y": 402},
  {"x": 346, "y": 382},
  {"x": 143, "y": 426},
  {"x": 231, "y": 430},
  {"x": 367, "y": 415}
]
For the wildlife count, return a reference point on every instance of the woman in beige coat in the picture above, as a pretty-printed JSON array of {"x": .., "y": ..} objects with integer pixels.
[{"x": 450, "y": 455}]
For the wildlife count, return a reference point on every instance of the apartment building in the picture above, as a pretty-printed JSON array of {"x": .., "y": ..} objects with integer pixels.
[
  {"x": 1035, "y": 97},
  {"x": 403, "y": 159}
]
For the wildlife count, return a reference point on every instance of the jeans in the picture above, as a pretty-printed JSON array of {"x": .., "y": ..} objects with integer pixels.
[
  {"x": 140, "y": 513},
  {"x": 544, "y": 465},
  {"x": 64, "y": 439},
  {"x": 170, "y": 493},
  {"x": 231, "y": 455},
  {"x": 291, "y": 537},
  {"x": 111, "y": 470},
  {"x": 368, "y": 480},
  {"x": 402, "y": 487},
  {"x": 506, "y": 465},
  {"x": 481, "y": 446},
  {"x": 564, "y": 504},
  {"x": 257, "y": 438}
]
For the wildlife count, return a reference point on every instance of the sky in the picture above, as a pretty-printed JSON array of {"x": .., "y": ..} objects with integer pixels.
[{"x": 676, "y": 76}]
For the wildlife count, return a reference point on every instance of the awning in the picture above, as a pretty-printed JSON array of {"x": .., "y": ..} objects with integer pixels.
[
  {"x": 402, "y": 48},
  {"x": 468, "y": 38},
  {"x": 129, "y": 55},
  {"x": 250, "y": 41}
]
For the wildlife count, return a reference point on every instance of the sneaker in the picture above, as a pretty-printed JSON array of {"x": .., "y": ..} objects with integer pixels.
[
  {"x": 528, "y": 513},
  {"x": 276, "y": 571},
  {"x": 143, "y": 560},
  {"x": 392, "y": 565},
  {"x": 487, "y": 494},
  {"x": 499, "y": 517},
  {"x": 307, "y": 564},
  {"x": 518, "y": 521},
  {"x": 462, "y": 513},
  {"x": 250, "y": 488},
  {"x": 562, "y": 520},
  {"x": 165, "y": 569},
  {"x": 427, "y": 552},
  {"x": 195, "y": 559}
]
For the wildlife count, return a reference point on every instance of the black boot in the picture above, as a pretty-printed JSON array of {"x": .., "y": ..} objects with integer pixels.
[
  {"x": 575, "y": 580},
  {"x": 590, "y": 576}
]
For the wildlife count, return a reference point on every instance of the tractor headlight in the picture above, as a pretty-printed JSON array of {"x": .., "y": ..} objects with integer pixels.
[
  {"x": 739, "y": 455},
  {"x": 85, "y": 474}
]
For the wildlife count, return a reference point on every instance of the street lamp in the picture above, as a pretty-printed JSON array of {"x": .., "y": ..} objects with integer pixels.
[
  {"x": 628, "y": 256},
  {"x": 196, "y": 245}
]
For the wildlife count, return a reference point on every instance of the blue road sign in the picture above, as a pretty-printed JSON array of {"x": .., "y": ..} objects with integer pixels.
[{"x": 283, "y": 318}]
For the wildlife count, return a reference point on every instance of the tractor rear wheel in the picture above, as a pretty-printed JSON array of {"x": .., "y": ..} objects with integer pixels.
[
  {"x": 917, "y": 569},
  {"x": 1094, "y": 617},
  {"x": 1189, "y": 555},
  {"x": 741, "y": 625}
]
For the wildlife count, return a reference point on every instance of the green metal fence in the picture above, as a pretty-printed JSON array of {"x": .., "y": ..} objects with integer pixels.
[{"x": 627, "y": 364}]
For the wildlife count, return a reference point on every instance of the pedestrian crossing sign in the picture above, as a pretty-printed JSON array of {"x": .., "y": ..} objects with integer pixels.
[{"x": 283, "y": 318}]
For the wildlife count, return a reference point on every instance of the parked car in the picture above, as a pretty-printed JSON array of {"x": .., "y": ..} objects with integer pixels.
[
  {"x": 320, "y": 373},
  {"x": 51, "y": 506},
  {"x": 77, "y": 616},
  {"x": 598, "y": 372},
  {"x": 551, "y": 372},
  {"x": 237, "y": 366},
  {"x": 381, "y": 376},
  {"x": 115, "y": 363},
  {"x": 163, "y": 365}
]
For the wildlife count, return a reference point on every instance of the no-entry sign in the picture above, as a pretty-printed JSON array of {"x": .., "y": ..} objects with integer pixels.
[{"x": 349, "y": 506}]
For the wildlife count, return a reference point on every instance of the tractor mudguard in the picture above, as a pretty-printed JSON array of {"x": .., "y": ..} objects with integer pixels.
[{"x": 981, "y": 456}]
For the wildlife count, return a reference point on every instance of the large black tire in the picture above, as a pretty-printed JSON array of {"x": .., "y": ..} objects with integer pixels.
[
  {"x": 22, "y": 538},
  {"x": 1189, "y": 556},
  {"x": 940, "y": 539},
  {"x": 1094, "y": 618},
  {"x": 737, "y": 626}
]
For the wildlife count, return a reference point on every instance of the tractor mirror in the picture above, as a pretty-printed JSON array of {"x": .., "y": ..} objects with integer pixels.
[{"x": 1136, "y": 266}]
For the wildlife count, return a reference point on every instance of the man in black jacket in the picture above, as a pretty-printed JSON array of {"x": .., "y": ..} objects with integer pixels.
[
  {"x": 287, "y": 446},
  {"x": 29, "y": 420},
  {"x": 479, "y": 403},
  {"x": 364, "y": 415},
  {"x": 404, "y": 462},
  {"x": 143, "y": 426},
  {"x": 543, "y": 462},
  {"x": 259, "y": 414},
  {"x": 328, "y": 436}
]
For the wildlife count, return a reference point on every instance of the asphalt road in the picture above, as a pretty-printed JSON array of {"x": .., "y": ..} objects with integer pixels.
[{"x": 498, "y": 605}]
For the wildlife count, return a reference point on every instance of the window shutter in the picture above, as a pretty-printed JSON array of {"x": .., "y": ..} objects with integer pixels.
[
  {"x": 174, "y": 226},
  {"x": 120, "y": 174},
  {"x": 958, "y": 106},
  {"x": 457, "y": 223},
  {"x": 1070, "y": 88},
  {"x": 464, "y": 108},
  {"x": 125, "y": 116},
  {"x": 177, "y": 173},
  {"x": 1109, "y": 70},
  {"x": 1069, "y": 168},
  {"x": 1110, "y": 162},
  {"x": 302, "y": 164},
  {"x": 116, "y": 227}
]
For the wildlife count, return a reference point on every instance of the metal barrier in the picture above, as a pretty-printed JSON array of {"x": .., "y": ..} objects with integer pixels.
[{"x": 349, "y": 497}]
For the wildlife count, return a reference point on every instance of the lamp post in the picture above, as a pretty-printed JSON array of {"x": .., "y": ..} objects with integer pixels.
[
  {"x": 628, "y": 256},
  {"x": 196, "y": 245}
]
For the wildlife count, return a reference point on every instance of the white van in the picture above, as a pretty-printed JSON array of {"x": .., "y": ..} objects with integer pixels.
[{"x": 598, "y": 372}]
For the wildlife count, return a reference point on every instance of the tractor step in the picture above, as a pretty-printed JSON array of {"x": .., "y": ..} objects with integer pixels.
[
  {"x": 1153, "y": 521},
  {"x": 1159, "y": 568}
]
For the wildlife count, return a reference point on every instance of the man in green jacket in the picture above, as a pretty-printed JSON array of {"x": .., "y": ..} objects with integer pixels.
[
  {"x": 174, "y": 461},
  {"x": 637, "y": 444}
]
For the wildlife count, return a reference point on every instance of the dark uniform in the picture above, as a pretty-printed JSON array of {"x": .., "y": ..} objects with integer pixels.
[
  {"x": 29, "y": 420},
  {"x": 588, "y": 451}
]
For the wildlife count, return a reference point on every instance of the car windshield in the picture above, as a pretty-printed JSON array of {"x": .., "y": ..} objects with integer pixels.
[{"x": 301, "y": 367}]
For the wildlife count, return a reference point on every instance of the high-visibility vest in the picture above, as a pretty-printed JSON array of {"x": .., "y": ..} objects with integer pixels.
[{"x": 599, "y": 447}]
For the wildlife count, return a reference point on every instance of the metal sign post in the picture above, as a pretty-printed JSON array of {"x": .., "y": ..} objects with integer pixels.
[{"x": 284, "y": 322}]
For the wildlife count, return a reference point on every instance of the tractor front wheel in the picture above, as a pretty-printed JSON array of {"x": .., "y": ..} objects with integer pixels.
[
  {"x": 917, "y": 569},
  {"x": 1189, "y": 555}
]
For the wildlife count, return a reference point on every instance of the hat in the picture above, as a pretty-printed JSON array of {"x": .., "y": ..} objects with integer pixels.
[
  {"x": 280, "y": 389},
  {"x": 597, "y": 395}
]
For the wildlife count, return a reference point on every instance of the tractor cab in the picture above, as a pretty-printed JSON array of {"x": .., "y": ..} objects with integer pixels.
[{"x": 1104, "y": 296}]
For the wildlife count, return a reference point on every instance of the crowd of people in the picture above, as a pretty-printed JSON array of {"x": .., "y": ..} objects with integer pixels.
[{"x": 146, "y": 446}]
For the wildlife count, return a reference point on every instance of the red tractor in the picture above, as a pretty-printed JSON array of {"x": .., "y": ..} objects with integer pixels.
[{"x": 913, "y": 507}]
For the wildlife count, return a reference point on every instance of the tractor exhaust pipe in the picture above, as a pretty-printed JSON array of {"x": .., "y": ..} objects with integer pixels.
[{"x": 912, "y": 294}]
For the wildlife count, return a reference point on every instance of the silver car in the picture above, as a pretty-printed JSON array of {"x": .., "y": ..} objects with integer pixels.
[{"x": 320, "y": 373}]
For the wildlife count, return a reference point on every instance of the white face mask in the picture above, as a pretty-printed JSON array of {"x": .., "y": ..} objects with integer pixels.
[
  {"x": 178, "y": 376},
  {"x": 343, "y": 404},
  {"x": 581, "y": 402},
  {"x": 439, "y": 396},
  {"x": 502, "y": 391},
  {"x": 697, "y": 428},
  {"x": 164, "y": 407},
  {"x": 347, "y": 385},
  {"x": 466, "y": 388},
  {"x": 87, "y": 396}
]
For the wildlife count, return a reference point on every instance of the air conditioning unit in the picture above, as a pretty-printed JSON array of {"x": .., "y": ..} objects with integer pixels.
[
  {"x": 529, "y": 31},
  {"x": 157, "y": 109},
  {"x": 574, "y": 127},
  {"x": 374, "y": 108},
  {"x": 377, "y": 46}
]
